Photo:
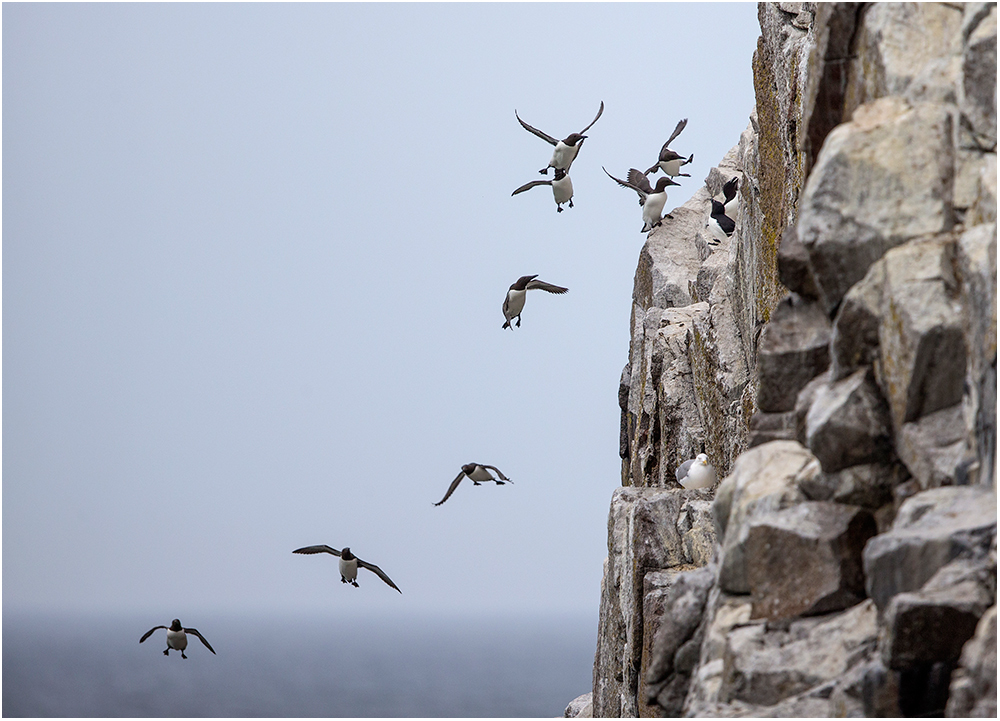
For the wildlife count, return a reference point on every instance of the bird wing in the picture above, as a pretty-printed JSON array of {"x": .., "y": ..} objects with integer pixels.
[
  {"x": 317, "y": 549},
  {"x": 682, "y": 470},
  {"x": 378, "y": 572},
  {"x": 194, "y": 632},
  {"x": 461, "y": 474},
  {"x": 729, "y": 189},
  {"x": 681, "y": 124},
  {"x": 494, "y": 468},
  {"x": 548, "y": 287},
  {"x": 535, "y": 131},
  {"x": 639, "y": 180},
  {"x": 532, "y": 184},
  {"x": 626, "y": 184},
  {"x": 594, "y": 120},
  {"x": 150, "y": 633}
]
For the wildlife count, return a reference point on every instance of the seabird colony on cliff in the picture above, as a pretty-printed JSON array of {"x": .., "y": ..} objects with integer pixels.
[{"x": 696, "y": 473}]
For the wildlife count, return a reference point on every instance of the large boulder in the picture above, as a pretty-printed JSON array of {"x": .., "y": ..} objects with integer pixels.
[
  {"x": 806, "y": 560},
  {"x": 848, "y": 423},
  {"x": 763, "y": 479},
  {"x": 881, "y": 179},
  {"x": 794, "y": 349},
  {"x": 931, "y": 529}
]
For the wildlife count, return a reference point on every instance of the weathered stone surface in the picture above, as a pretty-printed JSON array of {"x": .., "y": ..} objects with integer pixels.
[
  {"x": 881, "y": 179},
  {"x": 806, "y": 560},
  {"x": 931, "y": 529},
  {"x": 934, "y": 447},
  {"x": 848, "y": 423},
  {"x": 931, "y": 625},
  {"x": 868, "y": 485},
  {"x": 763, "y": 667},
  {"x": 922, "y": 346},
  {"x": 794, "y": 348},
  {"x": 976, "y": 270},
  {"x": 793, "y": 265},
  {"x": 722, "y": 614},
  {"x": 894, "y": 45},
  {"x": 978, "y": 87},
  {"x": 580, "y": 707},
  {"x": 697, "y": 529},
  {"x": 974, "y": 683},
  {"x": 763, "y": 480},
  {"x": 854, "y": 339},
  {"x": 767, "y": 427},
  {"x": 644, "y": 535},
  {"x": 676, "y": 645}
]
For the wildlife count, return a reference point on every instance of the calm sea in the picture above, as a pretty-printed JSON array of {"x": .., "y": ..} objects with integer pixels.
[{"x": 522, "y": 667}]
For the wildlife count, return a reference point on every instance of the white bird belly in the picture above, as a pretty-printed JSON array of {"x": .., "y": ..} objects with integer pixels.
[
  {"x": 671, "y": 167},
  {"x": 564, "y": 155},
  {"x": 699, "y": 476},
  {"x": 562, "y": 190},
  {"x": 652, "y": 209},
  {"x": 515, "y": 303},
  {"x": 177, "y": 640},
  {"x": 481, "y": 474},
  {"x": 349, "y": 569}
]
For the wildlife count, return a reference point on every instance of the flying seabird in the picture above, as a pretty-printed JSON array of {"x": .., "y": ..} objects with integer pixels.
[
  {"x": 177, "y": 637},
  {"x": 477, "y": 473},
  {"x": 696, "y": 473},
  {"x": 669, "y": 161},
  {"x": 349, "y": 564},
  {"x": 514, "y": 302},
  {"x": 651, "y": 199},
  {"x": 562, "y": 188},
  {"x": 565, "y": 150}
]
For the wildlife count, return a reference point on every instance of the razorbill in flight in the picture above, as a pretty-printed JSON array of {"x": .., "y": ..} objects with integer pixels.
[
  {"x": 177, "y": 637},
  {"x": 349, "y": 564},
  {"x": 513, "y": 304},
  {"x": 477, "y": 473},
  {"x": 651, "y": 199},
  {"x": 696, "y": 473},
  {"x": 566, "y": 149},
  {"x": 669, "y": 161},
  {"x": 562, "y": 188}
]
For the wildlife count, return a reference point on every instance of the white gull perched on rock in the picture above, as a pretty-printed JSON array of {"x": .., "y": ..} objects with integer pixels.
[{"x": 697, "y": 473}]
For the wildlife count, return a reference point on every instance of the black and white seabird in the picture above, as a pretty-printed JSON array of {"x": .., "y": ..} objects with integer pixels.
[
  {"x": 721, "y": 225},
  {"x": 562, "y": 188},
  {"x": 729, "y": 193},
  {"x": 177, "y": 637},
  {"x": 477, "y": 473},
  {"x": 349, "y": 564},
  {"x": 651, "y": 199},
  {"x": 566, "y": 149},
  {"x": 696, "y": 473},
  {"x": 513, "y": 304},
  {"x": 669, "y": 161}
]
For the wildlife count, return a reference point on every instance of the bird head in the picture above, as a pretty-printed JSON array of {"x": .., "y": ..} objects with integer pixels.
[{"x": 175, "y": 625}]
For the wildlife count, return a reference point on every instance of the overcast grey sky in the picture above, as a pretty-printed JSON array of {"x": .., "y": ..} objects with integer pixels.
[{"x": 254, "y": 258}]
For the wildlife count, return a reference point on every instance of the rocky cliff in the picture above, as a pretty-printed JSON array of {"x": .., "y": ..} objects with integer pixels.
[{"x": 836, "y": 360}]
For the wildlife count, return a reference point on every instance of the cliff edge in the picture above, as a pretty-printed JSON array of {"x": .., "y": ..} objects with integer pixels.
[{"x": 835, "y": 358}]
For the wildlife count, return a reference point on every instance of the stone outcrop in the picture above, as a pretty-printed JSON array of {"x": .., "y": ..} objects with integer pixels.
[{"x": 835, "y": 358}]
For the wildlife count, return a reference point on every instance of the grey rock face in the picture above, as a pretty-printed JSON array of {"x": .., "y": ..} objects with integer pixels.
[
  {"x": 932, "y": 624},
  {"x": 974, "y": 683},
  {"x": 922, "y": 345},
  {"x": 880, "y": 180},
  {"x": 978, "y": 96},
  {"x": 854, "y": 340},
  {"x": 580, "y": 707},
  {"x": 677, "y": 644},
  {"x": 763, "y": 480},
  {"x": 868, "y": 485},
  {"x": 767, "y": 427},
  {"x": 764, "y": 667},
  {"x": 793, "y": 265},
  {"x": 848, "y": 423},
  {"x": 934, "y": 447},
  {"x": 806, "y": 560},
  {"x": 931, "y": 529},
  {"x": 794, "y": 349}
]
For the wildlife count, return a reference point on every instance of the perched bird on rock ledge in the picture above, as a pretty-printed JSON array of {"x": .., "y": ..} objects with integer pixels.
[{"x": 697, "y": 473}]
